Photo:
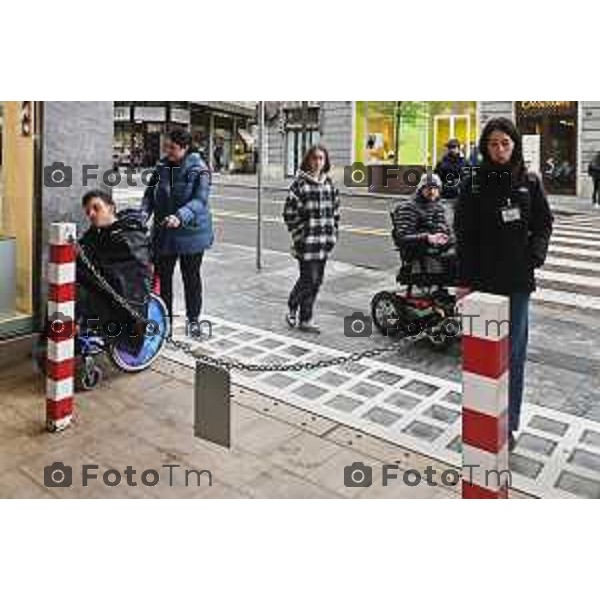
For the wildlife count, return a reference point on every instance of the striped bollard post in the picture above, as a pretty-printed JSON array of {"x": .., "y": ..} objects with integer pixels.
[
  {"x": 485, "y": 348},
  {"x": 60, "y": 327}
]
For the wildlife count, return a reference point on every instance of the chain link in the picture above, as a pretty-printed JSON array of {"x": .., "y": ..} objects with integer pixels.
[
  {"x": 229, "y": 364},
  {"x": 232, "y": 364},
  {"x": 120, "y": 300}
]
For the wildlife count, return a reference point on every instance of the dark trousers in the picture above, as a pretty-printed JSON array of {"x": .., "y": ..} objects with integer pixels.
[
  {"x": 189, "y": 265},
  {"x": 519, "y": 329},
  {"x": 596, "y": 194},
  {"x": 304, "y": 293}
]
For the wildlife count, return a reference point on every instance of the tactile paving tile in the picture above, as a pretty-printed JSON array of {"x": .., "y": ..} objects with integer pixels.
[{"x": 557, "y": 455}]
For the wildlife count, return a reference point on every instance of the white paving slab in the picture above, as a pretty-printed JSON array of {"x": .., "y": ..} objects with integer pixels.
[{"x": 408, "y": 408}]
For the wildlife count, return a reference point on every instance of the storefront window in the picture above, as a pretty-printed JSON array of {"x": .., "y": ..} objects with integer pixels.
[
  {"x": 16, "y": 217},
  {"x": 412, "y": 132},
  {"x": 549, "y": 129}
]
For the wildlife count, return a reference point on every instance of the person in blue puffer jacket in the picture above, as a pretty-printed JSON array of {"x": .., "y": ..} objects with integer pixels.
[{"x": 177, "y": 197}]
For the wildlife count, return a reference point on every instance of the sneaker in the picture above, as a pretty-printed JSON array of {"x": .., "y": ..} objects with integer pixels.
[
  {"x": 194, "y": 330},
  {"x": 309, "y": 327},
  {"x": 291, "y": 319}
]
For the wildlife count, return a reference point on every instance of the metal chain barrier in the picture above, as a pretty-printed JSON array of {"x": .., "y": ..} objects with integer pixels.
[
  {"x": 106, "y": 287},
  {"x": 229, "y": 364}
]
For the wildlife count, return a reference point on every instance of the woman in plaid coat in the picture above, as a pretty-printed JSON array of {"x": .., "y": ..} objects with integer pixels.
[{"x": 312, "y": 214}]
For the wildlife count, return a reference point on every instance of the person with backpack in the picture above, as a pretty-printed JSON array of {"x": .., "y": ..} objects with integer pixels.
[
  {"x": 503, "y": 225},
  {"x": 182, "y": 228},
  {"x": 311, "y": 214},
  {"x": 594, "y": 173}
]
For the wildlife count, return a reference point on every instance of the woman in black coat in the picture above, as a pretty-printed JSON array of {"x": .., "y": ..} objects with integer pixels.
[{"x": 503, "y": 225}]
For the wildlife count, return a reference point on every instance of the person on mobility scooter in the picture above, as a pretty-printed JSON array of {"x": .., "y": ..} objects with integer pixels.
[{"x": 421, "y": 234}]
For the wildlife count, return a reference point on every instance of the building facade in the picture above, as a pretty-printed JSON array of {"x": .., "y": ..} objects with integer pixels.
[
  {"x": 222, "y": 131},
  {"x": 560, "y": 137},
  {"x": 39, "y": 138}
]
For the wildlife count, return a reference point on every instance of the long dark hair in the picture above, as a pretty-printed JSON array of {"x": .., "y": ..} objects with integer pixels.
[
  {"x": 517, "y": 163},
  {"x": 305, "y": 166}
]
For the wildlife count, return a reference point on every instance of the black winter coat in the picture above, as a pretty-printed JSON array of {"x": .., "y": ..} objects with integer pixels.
[
  {"x": 414, "y": 219},
  {"x": 497, "y": 256},
  {"x": 121, "y": 253},
  {"x": 450, "y": 170}
]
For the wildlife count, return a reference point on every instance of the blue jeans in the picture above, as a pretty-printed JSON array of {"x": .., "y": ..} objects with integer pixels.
[{"x": 519, "y": 331}]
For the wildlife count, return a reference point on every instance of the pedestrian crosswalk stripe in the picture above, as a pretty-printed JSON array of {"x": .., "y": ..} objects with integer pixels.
[
  {"x": 569, "y": 278},
  {"x": 574, "y": 241},
  {"x": 558, "y": 249},
  {"x": 578, "y": 233},
  {"x": 584, "y": 265},
  {"x": 586, "y": 235},
  {"x": 570, "y": 299}
]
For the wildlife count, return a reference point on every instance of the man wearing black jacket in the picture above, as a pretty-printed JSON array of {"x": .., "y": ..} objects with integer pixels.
[
  {"x": 503, "y": 225},
  {"x": 118, "y": 246}
]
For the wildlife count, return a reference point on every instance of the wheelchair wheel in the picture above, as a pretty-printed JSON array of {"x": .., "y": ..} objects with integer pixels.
[
  {"x": 132, "y": 361},
  {"x": 90, "y": 378},
  {"x": 386, "y": 310}
]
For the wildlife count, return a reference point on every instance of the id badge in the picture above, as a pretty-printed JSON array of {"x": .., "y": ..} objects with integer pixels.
[{"x": 509, "y": 215}]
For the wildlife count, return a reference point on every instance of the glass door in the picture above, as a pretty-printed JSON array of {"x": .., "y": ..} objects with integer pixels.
[{"x": 447, "y": 127}]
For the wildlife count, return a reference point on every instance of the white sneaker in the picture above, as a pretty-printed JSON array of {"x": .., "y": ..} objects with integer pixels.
[{"x": 309, "y": 327}]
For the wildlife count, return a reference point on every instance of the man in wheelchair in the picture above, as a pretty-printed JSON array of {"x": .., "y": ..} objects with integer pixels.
[
  {"x": 424, "y": 238},
  {"x": 117, "y": 245}
]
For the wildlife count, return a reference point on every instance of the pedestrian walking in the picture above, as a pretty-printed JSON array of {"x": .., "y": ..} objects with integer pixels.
[
  {"x": 594, "y": 173},
  {"x": 312, "y": 214},
  {"x": 182, "y": 228},
  {"x": 503, "y": 225}
]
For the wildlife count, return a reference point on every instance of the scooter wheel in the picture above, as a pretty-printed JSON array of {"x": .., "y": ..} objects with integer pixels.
[
  {"x": 386, "y": 311},
  {"x": 439, "y": 341}
]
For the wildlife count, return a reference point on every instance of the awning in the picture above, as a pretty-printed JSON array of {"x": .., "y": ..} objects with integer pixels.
[{"x": 246, "y": 137}]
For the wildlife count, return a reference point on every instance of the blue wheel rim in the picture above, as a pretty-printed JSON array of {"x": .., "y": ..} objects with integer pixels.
[{"x": 152, "y": 343}]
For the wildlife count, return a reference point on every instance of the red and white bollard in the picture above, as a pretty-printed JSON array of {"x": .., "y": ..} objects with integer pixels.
[
  {"x": 485, "y": 347},
  {"x": 60, "y": 327}
]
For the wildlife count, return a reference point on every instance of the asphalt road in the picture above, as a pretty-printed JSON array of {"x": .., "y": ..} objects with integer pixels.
[{"x": 365, "y": 226}]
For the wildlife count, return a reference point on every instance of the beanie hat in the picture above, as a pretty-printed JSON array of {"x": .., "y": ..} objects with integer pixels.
[{"x": 429, "y": 180}]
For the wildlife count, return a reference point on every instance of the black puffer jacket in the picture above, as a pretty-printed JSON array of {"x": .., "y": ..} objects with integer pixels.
[
  {"x": 121, "y": 253},
  {"x": 497, "y": 256},
  {"x": 414, "y": 219}
]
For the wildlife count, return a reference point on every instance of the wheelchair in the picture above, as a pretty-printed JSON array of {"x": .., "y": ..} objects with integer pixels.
[
  {"x": 422, "y": 305},
  {"x": 90, "y": 344}
]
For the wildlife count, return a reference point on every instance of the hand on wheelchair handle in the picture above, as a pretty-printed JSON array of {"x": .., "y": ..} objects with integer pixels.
[{"x": 171, "y": 222}]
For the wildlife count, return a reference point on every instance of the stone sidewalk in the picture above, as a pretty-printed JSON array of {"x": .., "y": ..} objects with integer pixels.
[{"x": 145, "y": 421}]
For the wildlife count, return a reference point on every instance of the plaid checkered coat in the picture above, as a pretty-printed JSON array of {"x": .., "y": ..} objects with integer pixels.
[{"x": 312, "y": 215}]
